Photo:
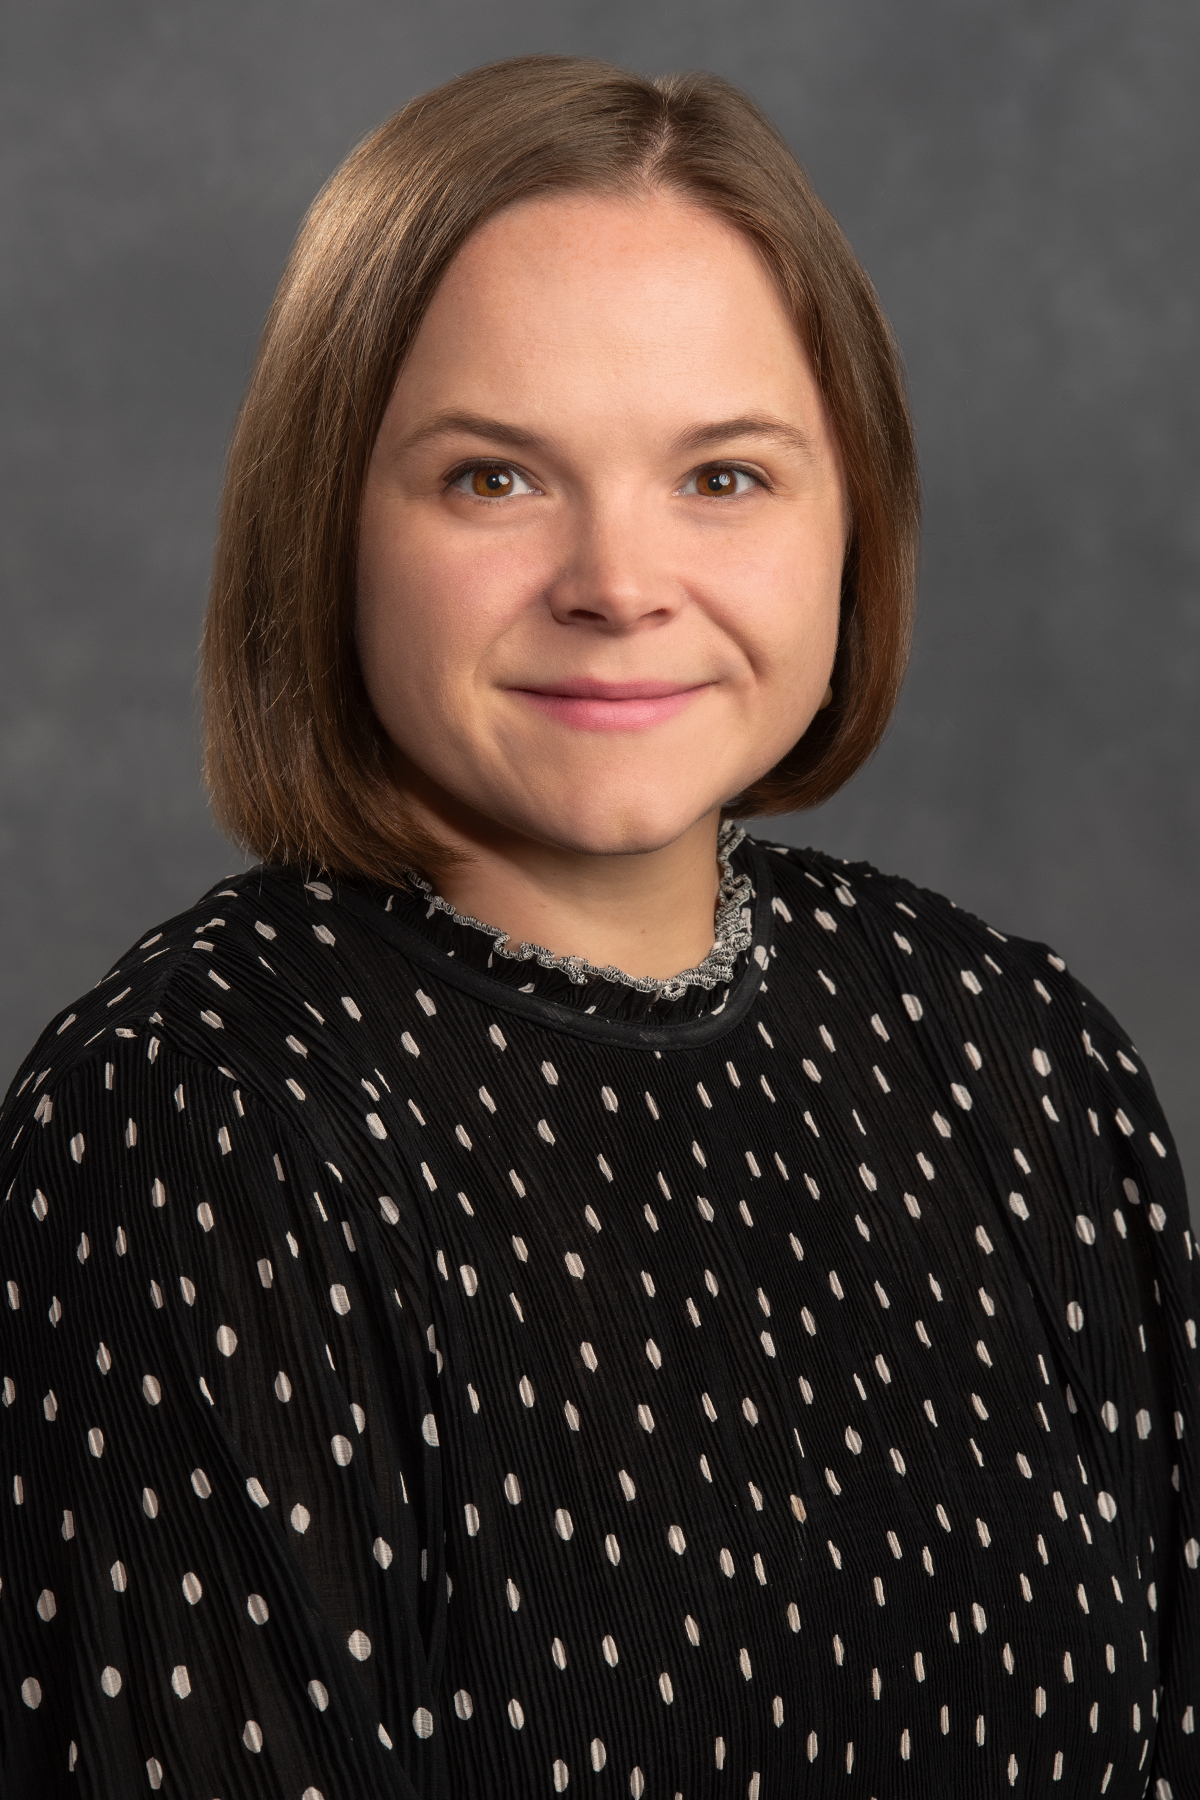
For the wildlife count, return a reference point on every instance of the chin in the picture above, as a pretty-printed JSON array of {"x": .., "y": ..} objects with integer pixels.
[{"x": 621, "y": 826}]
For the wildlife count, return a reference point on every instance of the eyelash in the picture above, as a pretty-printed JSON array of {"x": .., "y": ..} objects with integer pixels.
[
  {"x": 469, "y": 468},
  {"x": 723, "y": 469},
  {"x": 485, "y": 462}
]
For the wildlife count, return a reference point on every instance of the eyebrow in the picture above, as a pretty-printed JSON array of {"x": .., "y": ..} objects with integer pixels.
[
  {"x": 704, "y": 437},
  {"x": 699, "y": 437},
  {"x": 469, "y": 424}
]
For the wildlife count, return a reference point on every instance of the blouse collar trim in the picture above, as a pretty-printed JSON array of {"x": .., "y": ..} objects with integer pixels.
[{"x": 732, "y": 929}]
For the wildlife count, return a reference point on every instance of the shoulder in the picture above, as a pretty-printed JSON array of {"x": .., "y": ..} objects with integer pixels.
[
  {"x": 914, "y": 929},
  {"x": 215, "y": 1074},
  {"x": 207, "y": 984},
  {"x": 965, "y": 988}
]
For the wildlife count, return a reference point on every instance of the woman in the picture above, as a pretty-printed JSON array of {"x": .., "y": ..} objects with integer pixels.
[{"x": 588, "y": 1349}]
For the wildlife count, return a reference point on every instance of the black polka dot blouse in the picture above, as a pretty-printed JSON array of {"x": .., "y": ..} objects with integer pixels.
[{"x": 432, "y": 1370}]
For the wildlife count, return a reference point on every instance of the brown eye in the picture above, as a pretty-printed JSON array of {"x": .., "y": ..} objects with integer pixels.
[
  {"x": 717, "y": 482},
  {"x": 492, "y": 483},
  {"x": 720, "y": 483}
]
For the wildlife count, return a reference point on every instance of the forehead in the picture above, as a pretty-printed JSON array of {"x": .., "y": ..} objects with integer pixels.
[
  {"x": 606, "y": 290},
  {"x": 604, "y": 236}
]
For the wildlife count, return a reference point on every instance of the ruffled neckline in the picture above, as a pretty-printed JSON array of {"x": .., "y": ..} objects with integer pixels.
[{"x": 606, "y": 992}]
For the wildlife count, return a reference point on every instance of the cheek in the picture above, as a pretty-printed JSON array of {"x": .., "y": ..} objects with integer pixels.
[
  {"x": 785, "y": 619},
  {"x": 410, "y": 610},
  {"x": 785, "y": 607},
  {"x": 431, "y": 604},
  {"x": 397, "y": 615}
]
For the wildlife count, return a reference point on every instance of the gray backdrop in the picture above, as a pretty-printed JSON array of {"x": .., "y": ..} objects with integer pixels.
[{"x": 1021, "y": 181}]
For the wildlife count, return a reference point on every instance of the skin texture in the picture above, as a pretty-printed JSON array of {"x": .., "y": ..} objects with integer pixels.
[{"x": 637, "y": 615}]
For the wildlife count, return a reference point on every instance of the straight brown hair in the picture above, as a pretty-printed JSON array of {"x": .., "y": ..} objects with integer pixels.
[{"x": 295, "y": 760}]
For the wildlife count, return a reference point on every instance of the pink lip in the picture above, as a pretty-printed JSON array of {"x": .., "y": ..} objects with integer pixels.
[{"x": 611, "y": 705}]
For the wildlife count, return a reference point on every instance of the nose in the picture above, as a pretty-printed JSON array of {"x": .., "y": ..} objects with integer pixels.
[{"x": 612, "y": 577}]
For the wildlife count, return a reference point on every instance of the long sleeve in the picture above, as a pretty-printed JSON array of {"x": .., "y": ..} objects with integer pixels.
[
  {"x": 221, "y": 1557},
  {"x": 1148, "y": 1199}
]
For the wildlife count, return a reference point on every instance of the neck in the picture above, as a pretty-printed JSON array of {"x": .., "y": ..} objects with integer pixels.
[{"x": 648, "y": 913}]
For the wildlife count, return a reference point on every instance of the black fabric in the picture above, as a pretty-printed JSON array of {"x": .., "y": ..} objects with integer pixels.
[
  {"x": 413, "y": 1386},
  {"x": 601, "y": 1012},
  {"x": 531, "y": 970}
]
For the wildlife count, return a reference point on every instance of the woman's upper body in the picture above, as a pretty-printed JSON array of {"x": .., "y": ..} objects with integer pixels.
[
  {"x": 432, "y": 1369},
  {"x": 429, "y": 1371}
]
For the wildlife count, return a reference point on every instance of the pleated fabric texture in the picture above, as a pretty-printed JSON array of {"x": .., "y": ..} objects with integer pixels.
[{"x": 417, "y": 1384}]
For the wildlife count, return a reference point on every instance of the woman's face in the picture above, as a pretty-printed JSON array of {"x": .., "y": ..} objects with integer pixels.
[{"x": 602, "y": 532}]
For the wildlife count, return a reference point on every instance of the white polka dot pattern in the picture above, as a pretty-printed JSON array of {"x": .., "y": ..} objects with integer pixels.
[{"x": 428, "y": 1373}]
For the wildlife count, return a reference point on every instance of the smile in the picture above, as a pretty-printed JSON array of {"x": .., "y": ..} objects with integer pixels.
[{"x": 611, "y": 705}]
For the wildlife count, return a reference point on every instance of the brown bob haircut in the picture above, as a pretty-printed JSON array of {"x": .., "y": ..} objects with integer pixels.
[{"x": 296, "y": 762}]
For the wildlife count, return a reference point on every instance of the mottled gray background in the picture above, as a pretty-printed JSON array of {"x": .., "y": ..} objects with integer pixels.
[{"x": 1021, "y": 181}]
